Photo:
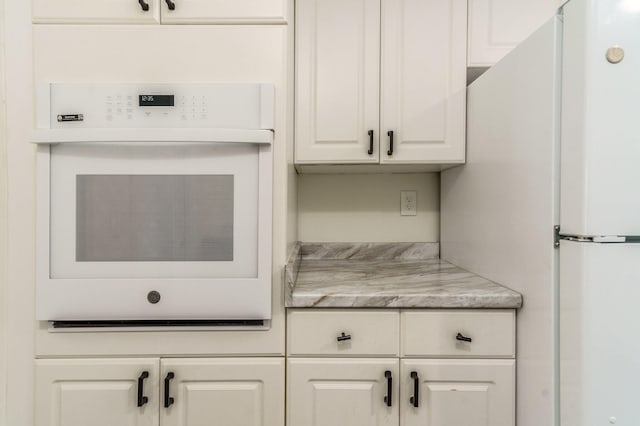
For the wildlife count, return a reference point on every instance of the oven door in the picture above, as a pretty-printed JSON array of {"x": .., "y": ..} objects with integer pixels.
[{"x": 155, "y": 231}]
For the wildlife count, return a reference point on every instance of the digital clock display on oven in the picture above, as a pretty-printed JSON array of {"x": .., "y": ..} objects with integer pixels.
[{"x": 155, "y": 100}]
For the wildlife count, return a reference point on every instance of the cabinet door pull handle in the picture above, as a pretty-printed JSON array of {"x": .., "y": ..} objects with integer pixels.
[
  {"x": 390, "y": 134},
  {"x": 141, "y": 398},
  {"x": 344, "y": 337},
  {"x": 462, "y": 338},
  {"x": 370, "y": 151},
  {"x": 168, "y": 400},
  {"x": 387, "y": 398},
  {"x": 171, "y": 5},
  {"x": 144, "y": 5},
  {"x": 415, "y": 399}
]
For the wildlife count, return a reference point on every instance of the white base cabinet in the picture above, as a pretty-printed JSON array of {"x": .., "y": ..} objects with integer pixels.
[
  {"x": 160, "y": 392},
  {"x": 354, "y": 392},
  {"x": 453, "y": 392},
  {"x": 435, "y": 368}
]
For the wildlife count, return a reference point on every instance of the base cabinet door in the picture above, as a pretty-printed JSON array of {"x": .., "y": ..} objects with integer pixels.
[
  {"x": 160, "y": 392},
  {"x": 457, "y": 392},
  {"x": 105, "y": 392},
  {"x": 225, "y": 392},
  {"x": 342, "y": 392}
]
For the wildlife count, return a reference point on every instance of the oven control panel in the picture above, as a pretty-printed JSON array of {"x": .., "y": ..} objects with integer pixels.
[
  {"x": 131, "y": 107},
  {"x": 156, "y": 105}
]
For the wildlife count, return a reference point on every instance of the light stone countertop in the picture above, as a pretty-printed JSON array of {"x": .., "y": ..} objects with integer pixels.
[{"x": 386, "y": 275}]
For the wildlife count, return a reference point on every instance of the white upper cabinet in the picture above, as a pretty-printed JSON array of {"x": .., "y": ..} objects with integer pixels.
[
  {"x": 337, "y": 75},
  {"x": 366, "y": 68},
  {"x": 497, "y": 26},
  {"x": 423, "y": 81},
  {"x": 156, "y": 11}
]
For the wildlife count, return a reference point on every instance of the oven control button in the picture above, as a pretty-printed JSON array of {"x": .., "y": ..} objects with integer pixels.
[{"x": 153, "y": 297}]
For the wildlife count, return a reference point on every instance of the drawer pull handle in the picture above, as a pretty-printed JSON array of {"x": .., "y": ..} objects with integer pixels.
[
  {"x": 168, "y": 400},
  {"x": 171, "y": 5},
  {"x": 343, "y": 337},
  {"x": 144, "y": 5},
  {"x": 141, "y": 398},
  {"x": 463, "y": 338},
  {"x": 415, "y": 399},
  {"x": 387, "y": 398}
]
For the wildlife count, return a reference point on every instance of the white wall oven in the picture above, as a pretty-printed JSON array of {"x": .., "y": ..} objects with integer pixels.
[{"x": 154, "y": 204}]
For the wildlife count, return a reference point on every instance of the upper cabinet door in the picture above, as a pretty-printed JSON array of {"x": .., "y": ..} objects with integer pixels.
[
  {"x": 337, "y": 81},
  {"x": 96, "y": 392},
  {"x": 497, "y": 26},
  {"x": 225, "y": 391},
  {"x": 423, "y": 81},
  {"x": 96, "y": 11},
  {"x": 224, "y": 11}
]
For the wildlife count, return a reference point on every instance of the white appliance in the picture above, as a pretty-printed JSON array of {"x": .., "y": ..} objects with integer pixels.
[
  {"x": 154, "y": 204},
  {"x": 553, "y": 139}
]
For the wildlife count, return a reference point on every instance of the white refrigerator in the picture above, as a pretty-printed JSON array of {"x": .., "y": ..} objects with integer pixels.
[{"x": 549, "y": 205}]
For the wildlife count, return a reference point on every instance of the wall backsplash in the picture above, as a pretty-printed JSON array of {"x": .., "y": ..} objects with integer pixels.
[{"x": 366, "y": 208}]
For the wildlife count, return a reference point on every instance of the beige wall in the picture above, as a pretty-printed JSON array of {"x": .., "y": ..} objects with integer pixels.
[{"x": 366, "y": 208}]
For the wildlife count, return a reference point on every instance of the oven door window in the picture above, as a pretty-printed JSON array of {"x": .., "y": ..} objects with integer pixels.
[
  {"x": 154, "y": 218},
  {"x": 154, "y": 210}
]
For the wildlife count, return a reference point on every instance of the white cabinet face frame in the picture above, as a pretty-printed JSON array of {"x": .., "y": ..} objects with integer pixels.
[
  {"x": 333, "y": 391},
  {"x": 157, "y": 11},
  {"x": 337, "y": 80}
]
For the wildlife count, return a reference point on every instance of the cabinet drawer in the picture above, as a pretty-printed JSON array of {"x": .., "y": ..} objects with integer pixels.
[
  {"x": 313, "y": 332},
  {"x": 443, "y": 333}
]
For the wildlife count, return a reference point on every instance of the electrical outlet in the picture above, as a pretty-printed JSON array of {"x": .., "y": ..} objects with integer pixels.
[{"x": 408, "y": 203}]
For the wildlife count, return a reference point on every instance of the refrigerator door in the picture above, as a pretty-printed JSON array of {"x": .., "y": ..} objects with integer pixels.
[
  {"x": 600, "y": 125},
  {"x": 599, "y": 342}
]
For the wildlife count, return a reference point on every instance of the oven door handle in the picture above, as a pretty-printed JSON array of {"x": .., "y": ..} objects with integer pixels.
[{"x": 53, "y": 136}]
